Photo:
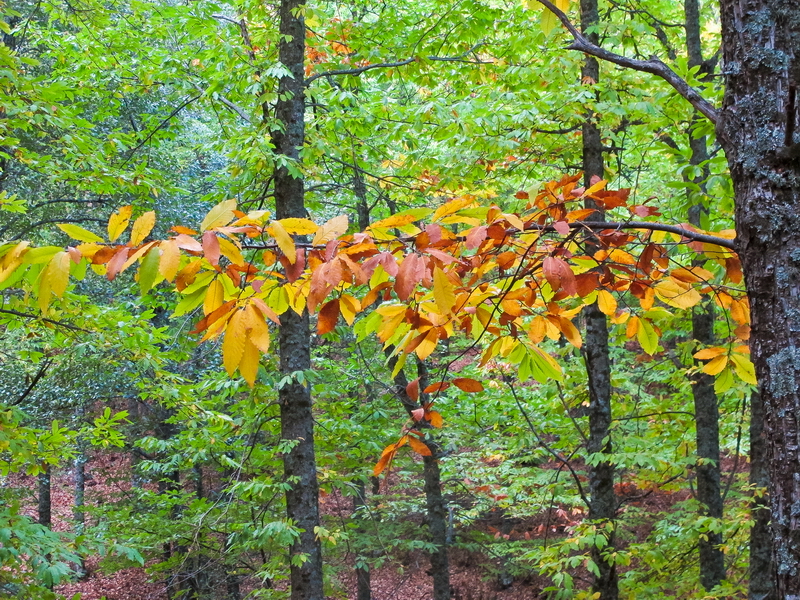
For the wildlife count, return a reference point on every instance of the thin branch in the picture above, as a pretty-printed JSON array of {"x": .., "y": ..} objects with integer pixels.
[
  {"x": 653, "y": 66},
  {"x": 400, "y": 63},
  {"x": 16, "y": 313},
  {"x": 40, "y": 373},
  {"x": 159, "y": 127}
]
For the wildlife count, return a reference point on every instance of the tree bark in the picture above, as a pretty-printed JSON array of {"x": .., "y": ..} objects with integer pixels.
[
  {"x": 44, "y": 502},
  {"x": 297, "y": 419},
  {"x": 706, "y": 409},
  {"x": 602, "y": 501},
  {"x": 363, "y": 583},
  {"x": 760, "y": 586},
  {"x": 756, "y": 126}
]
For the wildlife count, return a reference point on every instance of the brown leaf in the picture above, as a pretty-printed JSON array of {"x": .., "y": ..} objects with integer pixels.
[
  {"x": 328, "y": 316},
  {"x": 468, "y": 385}
]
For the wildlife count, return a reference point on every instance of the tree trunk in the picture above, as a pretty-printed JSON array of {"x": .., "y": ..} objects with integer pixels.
[
  {"x": 44, "y": 502},
  {"x": 79, "y": 501},
  {"x": 363, "y": 582},
  {"x": 603, "y": 501},
  {"x": 297, "y": 419},
  {"x": 760, "y": 586},
  {"x": 706, "y": 410},
  {"x": 756, "y": 127}
]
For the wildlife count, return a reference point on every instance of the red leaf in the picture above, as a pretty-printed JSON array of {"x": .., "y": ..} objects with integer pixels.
[
  {"x": 293, "y": 271},
  {"x": 561, "y": 227},
  {"x": 211, "y": 247},
  {"x": 411, "y": 272},
  {"x": 418, "y": 414},
  {"x": 115, "y": 264},
  {"x": 468, "y": 385},
  {"x": 412, "y": 389},
  {"x": 475, "y": 237}
]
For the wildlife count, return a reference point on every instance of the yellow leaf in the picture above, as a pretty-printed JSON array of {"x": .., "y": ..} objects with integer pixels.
[
  {"x": 79, "y": 233},
  {"x": 248, "y": 367},
  {"x": 142, "y": 227},
  {"x": 259, "y": 330},
  {"x": 428, "y": 344},
  {"x": 672, "y": 293},
  {"x": 716, "y": 365},
  {"x": 170, "y": 259},
  {"x": 330, "y": 230},
  {"x": 214, "y": 297},
  {"x": 118, "y": 222},
  {"x": 394, "y": 221},
  {"x": 632, "y": 328},
  {"x": 299, "y": 226},
  {"x": 219, "y": 216},
  {"x": 448, "y": 208},
  {"x": 570, "y": 332},
  {"x": 744, "y": 368},
  {"x": 443, "y": 292},
  {"x": 348, "y": 307},
  {"x": 54, "y": 279},
  {"x": 285, "y": 241},
  {"x": 230, "y": 251},
  {"x": 233, "y": 345},
  {"x": 606, "y": 302}
]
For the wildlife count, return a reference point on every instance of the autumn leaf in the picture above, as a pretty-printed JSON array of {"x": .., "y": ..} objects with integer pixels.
[
  {"x": 412, "y": 390},
  {"x": 439, "y": 386},
  {"x": 419, "y": 447},
  {"x": 284, "y": 240},
  {"x": 709, "y": 353},
  {"x": 118, "y": 222},
  {"x": 606, "y": 302},
  {"x": 744, "y": 368},
  {"x": 466, "y": 384},
  {"x": 443, "y": 292},
  {"x": 716, "y": 365},
  {"x": 327, "y": 317},
  {"x": 170, "y": 259},
  {"x": 674, "y": 294},
  {"x": 434, "y": 418},
  {"x": 330, "y": 230},
  {"x": 142, "y": 227},
  {"x": 234, "y": 342},
  {"x": 219, "y": 216},
  {"x": 211, "y": 247},
  {"x": 299, "y": 226}
]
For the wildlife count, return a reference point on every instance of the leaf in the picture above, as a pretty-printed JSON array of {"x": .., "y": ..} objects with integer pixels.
[
  {"x": 419, "y": 447},
  {"x": 79, "y": 233},
  {"x": 606, "y": 302},
  {"x": 410, "y": 273},
  {"x": 672, "y": 293},
  {"x": 548, "y": 21},
  {"x": 170, "y": 259},
  {"x": 443, "y": 292},
  {"x": 453, "y": 206},
  {"x": 716, "y": 365},
  {"x": 744, "y": 368},
  {"x": 330, "y": 230},
  {"x": 118, "y": 222},
  {"x": 142, "y": 227},
  {"x": 299, "y": 226},
  {"x": 709, "y": 353},
  {"x": 435, "y": 419},
  {"x": 211, "y": 248},
  {"x": 284, "y": 240},
  {"x": 398, "y": 220},
  {"x": 234, "y": 342},
  {"x": 647, "y": 336},
  {"x": 570, "y": 332},
  {"x": 327, "y": 317},
  {"x": 465, "y": 384},
  {"x": 248, "y": 367},
  {"x": 54, "y": 279},
  {"x": 412, "y": 390},
  {"x": 148, "y": 270},
  {"x": 437, "y": 387},
  {"x": 220, "y": 215},
  {"x": 215, "y": 297}
]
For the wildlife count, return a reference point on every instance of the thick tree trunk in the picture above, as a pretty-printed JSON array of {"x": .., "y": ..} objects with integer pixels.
[
  {"x": 297, "y": 419},
  {"x": 760, "y": 586},
  {"x": 706, "y": 410},
  {"x": 602, "y": 501},
  {"x": 757, "y": 124}
]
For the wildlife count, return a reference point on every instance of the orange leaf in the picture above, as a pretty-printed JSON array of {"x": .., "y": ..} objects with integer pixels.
[
  {"x": 419, "y": 447},
  {"x": 327, "y": 317},
  {"x": 437, "y": 387},
  {"x": 211, "y": 247},
  {"x": 468, "y": 385},
  {"x": 709, "y": 353},
  {"x": 410, "y": 273},
  {"x": 435, "y": 419}
]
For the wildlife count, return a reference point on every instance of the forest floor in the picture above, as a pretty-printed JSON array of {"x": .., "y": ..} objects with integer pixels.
[{"x": 473, "y": 575}]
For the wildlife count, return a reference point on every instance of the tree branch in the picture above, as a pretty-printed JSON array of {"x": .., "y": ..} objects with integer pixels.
[
  {"x": 653, "y": 66},
  {"x": 8, "y": 311}
]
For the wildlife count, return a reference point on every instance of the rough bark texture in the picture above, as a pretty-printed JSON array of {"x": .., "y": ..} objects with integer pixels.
[
  {"x": 706, "y": 410},
  {"x": 761, "y": 41},
  {"x": 45, "y": 503},
  {"x": 602, "y": 500},
  {"x": 297, "y": 419},
  {"x": 760, "y": 586}
]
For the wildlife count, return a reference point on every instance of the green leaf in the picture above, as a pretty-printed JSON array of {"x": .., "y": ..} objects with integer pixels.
[
  {"x": 77, "y": 232},
  {"x": 148, "y": 270}
]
